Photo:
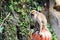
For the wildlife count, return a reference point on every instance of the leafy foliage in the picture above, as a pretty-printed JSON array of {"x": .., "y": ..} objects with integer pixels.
[{"x": 52, "y": 32}]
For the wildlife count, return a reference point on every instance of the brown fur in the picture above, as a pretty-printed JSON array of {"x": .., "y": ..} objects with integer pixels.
[{"x": 40, "y": 18}]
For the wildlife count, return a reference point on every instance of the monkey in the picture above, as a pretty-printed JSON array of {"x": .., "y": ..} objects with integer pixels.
[{"x": 40, "y": 19}]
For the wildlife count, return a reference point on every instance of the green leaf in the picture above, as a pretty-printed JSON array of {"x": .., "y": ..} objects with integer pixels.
[
  {"x": 15, "y": 3},
  {"x": 32, "y": 30},
  {"x": 18, "y": 10},
  {"x": 39, "y": 8},
  {"x": 28, "y": 1},
  {"x": 1, "y": 28},
  {"x": 0, "y": 20},
  {"x": 21, "y": 24},
  {"x": 11, "y": 7},
  {"x": 14, "y": 28}
]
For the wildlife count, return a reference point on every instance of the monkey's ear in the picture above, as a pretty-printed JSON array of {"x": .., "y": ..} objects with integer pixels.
[{"x": 31, "y": 12}]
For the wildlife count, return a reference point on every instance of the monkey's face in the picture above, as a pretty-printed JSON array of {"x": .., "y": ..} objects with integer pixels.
[{"x": 33, "y": 15}]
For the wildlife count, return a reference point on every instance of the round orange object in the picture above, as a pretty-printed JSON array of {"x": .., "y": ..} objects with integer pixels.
[
  {"x": 44, "y": 35},
  {"x": 36, "y": 36}
]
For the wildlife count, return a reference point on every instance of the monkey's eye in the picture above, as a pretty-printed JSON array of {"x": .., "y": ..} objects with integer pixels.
[{"x": 32, "y": 14}]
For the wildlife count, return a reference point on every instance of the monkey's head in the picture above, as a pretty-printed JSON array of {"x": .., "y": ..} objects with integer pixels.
[{"x": 33, "y": 14}]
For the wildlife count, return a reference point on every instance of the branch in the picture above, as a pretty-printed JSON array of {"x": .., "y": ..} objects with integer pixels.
[{"x": 4, "y": 19}]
